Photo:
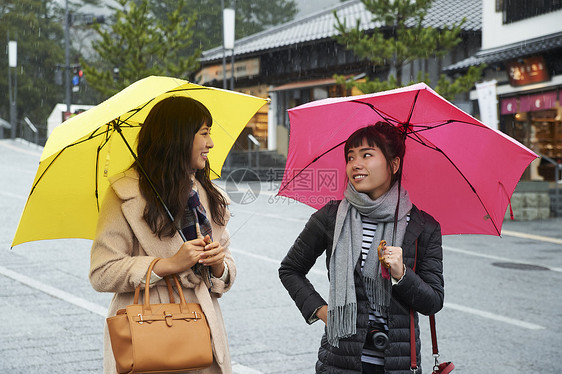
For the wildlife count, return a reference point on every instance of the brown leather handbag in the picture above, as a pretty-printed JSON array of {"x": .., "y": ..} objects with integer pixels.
[{"x": 155, "y": 338}]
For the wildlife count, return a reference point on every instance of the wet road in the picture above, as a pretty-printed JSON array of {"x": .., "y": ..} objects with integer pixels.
[{"x": 501, "y": 315}]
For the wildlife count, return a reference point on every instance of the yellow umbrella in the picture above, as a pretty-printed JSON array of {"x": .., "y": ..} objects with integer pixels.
[{"x": 85, "y": 150}]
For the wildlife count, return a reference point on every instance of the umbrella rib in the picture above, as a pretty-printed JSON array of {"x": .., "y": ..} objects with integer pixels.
[
  {"x": 92, "y": 136},
  {"x": 387, "y": 119},
  {"x": 447, "y": 122},
  {"x": 437, "y": 149},
  {"x": 407, "y": 124},
  {"x": 44, "y": 171},
  {"x": 310, "y": 163},
  {"x": 105, "y": 141}
]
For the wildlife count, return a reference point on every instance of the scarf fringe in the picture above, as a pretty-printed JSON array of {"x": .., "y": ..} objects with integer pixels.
[
  {"x": 378, "y": 292},
  {"x": 341, "y": 324}
]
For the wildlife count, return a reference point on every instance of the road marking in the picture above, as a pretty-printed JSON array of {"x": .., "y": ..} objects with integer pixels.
[
  {"x": 18, "y": 149},
  {"x": 269, "y": 259},
  {"x": 87, "y": 305},
  {"x": 240, "y": 369},
  {"x": 496, "y": 258},
  {"x": 13, "y": 195},
  {"x": 531, "y": 236},
  {"x": 495, "y": 317},
  {"x": 269, "y": 215},
  {"x": 55, "y": 292}
]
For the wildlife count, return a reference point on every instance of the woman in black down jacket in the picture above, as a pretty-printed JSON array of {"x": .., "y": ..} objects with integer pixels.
[{"x": 367, "y": 313}]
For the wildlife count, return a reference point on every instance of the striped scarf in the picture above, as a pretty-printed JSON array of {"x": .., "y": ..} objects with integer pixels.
[{"x": 195, "y": 221}]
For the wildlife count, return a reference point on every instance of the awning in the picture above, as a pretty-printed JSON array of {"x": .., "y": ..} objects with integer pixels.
[
  {"x": 509, "y": 52},
  {"x": 528, "y": 103},
  {"x": 509, "y": 106},
  {"x": 533, "y": 103}
]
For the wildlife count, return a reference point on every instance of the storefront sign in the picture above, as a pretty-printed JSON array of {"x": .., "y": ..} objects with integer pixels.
[
  {"x": 242, "y": 69},
  {"x": 509, "y": 106},
  {"x": 529, "y": 70},
  {"x": 533, "y": 103}
]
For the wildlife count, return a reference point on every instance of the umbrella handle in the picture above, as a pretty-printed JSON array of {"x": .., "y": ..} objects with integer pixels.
[{"x": 380, "y": 249}]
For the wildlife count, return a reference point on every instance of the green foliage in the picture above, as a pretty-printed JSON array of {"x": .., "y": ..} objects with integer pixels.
[
  {"x": 400, "y": 39},
  {"x": 36, "y": 26},
  {"x": 252, "y": 16},
  {"x": 139, "y": 46},
  {"x": 449, "y": 89}
]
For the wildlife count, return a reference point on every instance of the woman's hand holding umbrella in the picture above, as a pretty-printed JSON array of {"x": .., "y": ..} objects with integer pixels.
[
  {"x": 213, "y": 256},
  {"x": 186, "y": 257},
  {"x": 393, "y": 257}
]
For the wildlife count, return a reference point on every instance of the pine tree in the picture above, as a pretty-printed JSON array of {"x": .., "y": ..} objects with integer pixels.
[
  {"x": 138, "y": 45},
  {"x": 401, "y": 39},
  {"x": 36, "y": 26}
]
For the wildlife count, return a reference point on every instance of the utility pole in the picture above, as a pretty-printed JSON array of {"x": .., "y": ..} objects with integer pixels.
[
  {"x": 234, "y": 38},
  {"x": 228, "y": 41},
  {"x": 223, "y": 47},
  {"x": 68, "y": 93},
  {"x": 12, "y": 86}
]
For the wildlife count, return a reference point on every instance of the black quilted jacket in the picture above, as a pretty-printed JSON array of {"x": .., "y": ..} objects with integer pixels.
[{"x": 422, "y": 290}]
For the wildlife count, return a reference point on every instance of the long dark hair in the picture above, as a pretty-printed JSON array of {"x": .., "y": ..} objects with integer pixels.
[
  {"x": 389, "y": 139},
  {"x": 164, "y": 147}
]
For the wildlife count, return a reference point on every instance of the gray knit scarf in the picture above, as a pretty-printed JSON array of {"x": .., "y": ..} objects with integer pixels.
[{"x": 346, "y": 250}]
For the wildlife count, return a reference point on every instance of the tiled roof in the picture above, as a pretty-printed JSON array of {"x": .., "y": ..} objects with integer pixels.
[
  {"x": 320, "y": 25},
  {"x": 509, "y": 52}
]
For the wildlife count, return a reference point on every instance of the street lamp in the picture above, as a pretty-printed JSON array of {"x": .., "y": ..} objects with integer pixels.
[
  {"x": 12, "y": 88},
  {"x": 228, "y": 41},
  {"x": 68, "y": 93}
]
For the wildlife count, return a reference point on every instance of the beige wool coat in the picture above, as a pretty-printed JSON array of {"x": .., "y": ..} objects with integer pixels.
[{"x": 125, "y": 246}]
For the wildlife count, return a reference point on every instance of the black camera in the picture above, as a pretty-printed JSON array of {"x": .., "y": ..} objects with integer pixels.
[{"x": 377, "y": 338}]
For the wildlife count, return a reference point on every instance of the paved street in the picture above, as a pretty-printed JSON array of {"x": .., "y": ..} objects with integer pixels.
[{"x": 502, "y": 312}]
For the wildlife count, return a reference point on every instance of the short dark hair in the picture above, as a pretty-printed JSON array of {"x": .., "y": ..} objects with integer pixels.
[{"x": 388, "y": 138}]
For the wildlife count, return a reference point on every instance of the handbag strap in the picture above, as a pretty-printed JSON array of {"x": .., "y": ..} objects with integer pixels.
[
  {"x": 435, "y": 348},
  {"x": 147, "y": 281},
  {"x": 146, "y": 304}
]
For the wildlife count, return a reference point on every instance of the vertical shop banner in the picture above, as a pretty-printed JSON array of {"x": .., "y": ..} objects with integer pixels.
[{"x": 488, "y": 103}]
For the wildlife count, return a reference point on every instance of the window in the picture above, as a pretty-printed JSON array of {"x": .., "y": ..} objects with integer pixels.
[
  {"x": 499, "y": 5},
  {"x": 517, "y": 10}
]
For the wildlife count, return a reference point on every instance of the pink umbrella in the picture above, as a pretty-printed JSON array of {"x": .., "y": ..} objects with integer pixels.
[{"x": 456, "y": 168}]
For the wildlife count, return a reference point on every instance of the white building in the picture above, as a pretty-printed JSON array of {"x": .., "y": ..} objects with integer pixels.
[{"x": 522, "y": 47}]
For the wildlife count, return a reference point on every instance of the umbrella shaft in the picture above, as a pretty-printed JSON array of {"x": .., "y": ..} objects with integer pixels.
[{"x": 118, "y": 128}]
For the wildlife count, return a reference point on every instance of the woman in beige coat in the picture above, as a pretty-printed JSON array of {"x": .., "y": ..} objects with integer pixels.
[{"x": 133, "y": 228}]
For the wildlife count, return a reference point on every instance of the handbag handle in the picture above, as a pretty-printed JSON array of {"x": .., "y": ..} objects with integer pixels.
[
  {"x": 413, "y": 363},
  {"x": 146, "y": 305}
]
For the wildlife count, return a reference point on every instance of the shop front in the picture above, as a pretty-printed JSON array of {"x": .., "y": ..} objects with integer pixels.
[{"x": 532, "y": 114}]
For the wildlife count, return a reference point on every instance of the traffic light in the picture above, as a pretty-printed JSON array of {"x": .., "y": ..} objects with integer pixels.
[{"x": 77, "y": 76}]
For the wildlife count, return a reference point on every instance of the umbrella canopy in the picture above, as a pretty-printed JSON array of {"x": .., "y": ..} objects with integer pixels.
[
  {"x": 455, "y": 168},
  {"x": 84, "y": 151}
]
